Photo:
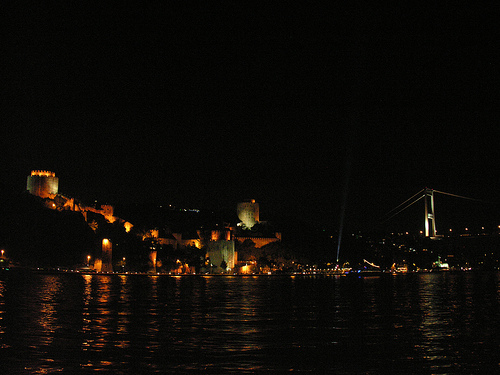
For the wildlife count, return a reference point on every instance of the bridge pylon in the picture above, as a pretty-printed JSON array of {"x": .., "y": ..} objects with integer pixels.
[{"x": 430, "y": 218}]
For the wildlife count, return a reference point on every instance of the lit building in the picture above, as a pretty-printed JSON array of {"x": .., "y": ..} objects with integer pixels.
[
  {"x": 260, "y": 241},
  {"x": 220, "y": 252},
  {"x": 176, "y": 240},
  {"x": 248, "y": 213},
  {"x": 107, "y": 248},
  {"x": 43, "y": 183}
]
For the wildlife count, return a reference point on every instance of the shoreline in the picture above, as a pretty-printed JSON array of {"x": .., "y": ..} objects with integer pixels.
[{"x": 362, "y": 274}]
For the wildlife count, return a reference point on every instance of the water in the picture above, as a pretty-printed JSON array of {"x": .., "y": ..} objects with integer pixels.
[{"x": 415, "y": 323}]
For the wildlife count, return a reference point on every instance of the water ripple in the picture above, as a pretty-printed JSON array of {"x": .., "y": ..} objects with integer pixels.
[{"x": 424, "y": 323}]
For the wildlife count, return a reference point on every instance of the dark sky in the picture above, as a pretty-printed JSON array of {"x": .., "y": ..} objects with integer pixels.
[{"x": 205, "y": 105}]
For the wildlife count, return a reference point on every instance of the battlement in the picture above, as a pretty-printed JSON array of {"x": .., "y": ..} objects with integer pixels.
[{"x": 43, "y": 173}]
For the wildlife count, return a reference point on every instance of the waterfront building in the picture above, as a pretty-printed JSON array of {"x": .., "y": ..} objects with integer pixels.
[
  {"x": 107, "y": 249},
  {"x": 222, "y": 252}
]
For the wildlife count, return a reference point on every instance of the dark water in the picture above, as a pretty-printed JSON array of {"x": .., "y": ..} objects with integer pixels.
[{"x": 415, "y": 323}]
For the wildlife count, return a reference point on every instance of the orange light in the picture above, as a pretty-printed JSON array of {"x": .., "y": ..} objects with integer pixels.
[
  {"x": 43, "y": 173},
  {"x": 128, "y": 226}
]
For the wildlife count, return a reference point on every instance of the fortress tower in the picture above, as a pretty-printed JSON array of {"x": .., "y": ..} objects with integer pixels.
[
  {"x": 248, "y": 213},
  {"x": 42, "y": 183},
  {"x": 107, "y": 249}
]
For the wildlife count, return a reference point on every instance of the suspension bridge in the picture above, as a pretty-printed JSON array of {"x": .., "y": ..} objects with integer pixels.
[{"x": 427, "y": 195}]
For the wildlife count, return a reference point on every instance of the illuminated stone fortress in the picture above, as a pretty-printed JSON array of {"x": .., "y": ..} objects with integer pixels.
[
  {"x": 220, "y": 243},
  {"x": 44, "y": 184},
  {"x": 248, "y": 213}
]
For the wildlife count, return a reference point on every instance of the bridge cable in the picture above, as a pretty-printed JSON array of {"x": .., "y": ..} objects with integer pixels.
[
  {"x": 461, "y": 196},
  {"x": 390, "y": 217},
  {"x": 395, "y": 208}
]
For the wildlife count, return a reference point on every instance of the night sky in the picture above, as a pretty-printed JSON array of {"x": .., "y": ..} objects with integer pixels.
[{"x": 292, "y": 105}]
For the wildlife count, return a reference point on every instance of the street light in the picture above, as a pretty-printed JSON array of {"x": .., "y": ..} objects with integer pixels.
[{"x": 88, "y": 260}]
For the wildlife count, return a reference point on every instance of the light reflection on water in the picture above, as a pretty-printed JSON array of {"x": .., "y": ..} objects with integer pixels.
[{"x": 415, "y": 323}]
